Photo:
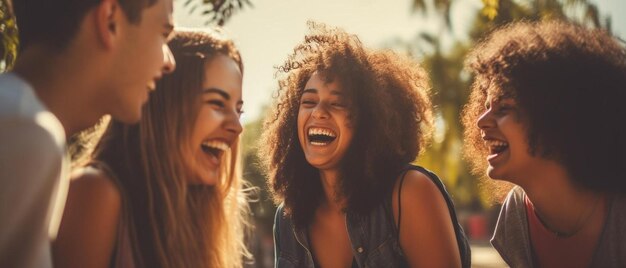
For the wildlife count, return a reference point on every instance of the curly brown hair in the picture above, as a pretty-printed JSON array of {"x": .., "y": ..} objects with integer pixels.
[
  {"x": 389, "y": 109},
  {"x": 570, "y": 85}
]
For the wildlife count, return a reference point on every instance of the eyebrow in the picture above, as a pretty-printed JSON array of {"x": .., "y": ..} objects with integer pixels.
[
  {"x": 219, "y": 92},
  {"x": 169, "y": 26},
  {"x": 313, "y": 90}
]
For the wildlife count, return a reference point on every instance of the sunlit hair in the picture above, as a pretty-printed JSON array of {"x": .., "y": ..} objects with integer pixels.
[
  {"x": 175, "y": 224},
  {"x": 390, "y": 113},
  {"x": 570, "y": 86}
]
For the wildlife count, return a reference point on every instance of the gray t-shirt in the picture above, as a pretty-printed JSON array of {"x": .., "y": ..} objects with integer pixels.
[
  {"x": 33, "y": 175},
  {"x": 512, "y": 240}
]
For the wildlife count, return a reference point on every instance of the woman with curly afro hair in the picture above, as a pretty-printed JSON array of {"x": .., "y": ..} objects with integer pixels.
[
  {"x": 546, "y": 113},
  {"x": 338, "y": 147}
]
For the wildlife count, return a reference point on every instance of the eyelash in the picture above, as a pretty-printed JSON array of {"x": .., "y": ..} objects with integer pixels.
[
  {"x": 335, "y": 104},
  {"x": 218, "y": 103},
  {"x": 499, "y": 108},
  {"x": 167, "y": 36},
  {"x": 221, "y": 105},
  {"x": 502, "y": 109}
]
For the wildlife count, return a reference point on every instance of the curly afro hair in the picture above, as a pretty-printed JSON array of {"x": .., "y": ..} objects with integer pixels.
[
  {"x": 389, "y": 110},
  {"x": 570, "y": 85}
]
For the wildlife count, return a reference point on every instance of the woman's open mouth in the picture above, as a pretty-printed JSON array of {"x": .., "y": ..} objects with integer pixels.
[
  {"x": 214, "y": 149},
  {"x": 321, "y": 136},
  {"x": 496, "y": 148}
]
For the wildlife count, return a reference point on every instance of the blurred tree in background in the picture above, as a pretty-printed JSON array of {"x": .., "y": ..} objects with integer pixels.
[
  {"x": 8, "y": 29},
  {"x": 216, "y": 12},
  {"x": 263, "y": 207}
]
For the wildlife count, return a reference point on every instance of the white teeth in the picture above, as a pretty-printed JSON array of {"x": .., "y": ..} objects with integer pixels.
[
  {"x": 216, "y": 144},
  {"x": 322, "y": 131},
  {"x": 495, "y": 143}
]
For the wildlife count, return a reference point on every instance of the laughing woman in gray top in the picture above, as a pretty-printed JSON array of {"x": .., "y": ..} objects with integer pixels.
[{"x": 546, "y": 112}]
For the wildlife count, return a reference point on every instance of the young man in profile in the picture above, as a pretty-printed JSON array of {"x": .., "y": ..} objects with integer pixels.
[{"x": 78, "y": 61}]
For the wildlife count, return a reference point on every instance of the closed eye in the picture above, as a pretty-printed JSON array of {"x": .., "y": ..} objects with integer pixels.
[
  {"x": 503, "y": 109},
  {"x": 216, "y": 103},
  {"x": 169, "y": 31},
  {"x": 307, "y": 103}
]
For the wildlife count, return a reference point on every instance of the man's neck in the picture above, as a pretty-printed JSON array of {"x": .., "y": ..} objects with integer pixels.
[{"x": 62, "y": 84}]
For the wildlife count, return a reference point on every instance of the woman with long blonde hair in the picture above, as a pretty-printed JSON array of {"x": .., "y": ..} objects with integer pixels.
[{"x": 166, "y": 192}]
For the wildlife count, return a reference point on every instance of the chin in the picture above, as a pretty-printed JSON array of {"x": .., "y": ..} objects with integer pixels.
[
  {"x": 207, "y": 180},
  {"x": 128, "y": 117},
  {"x": 314, "y": 164},
  {"x": 497, "y": 175},
  {"x": 492, "y": 174},
  {"x": 210, "y": 179},
  {"x": 322, "y": 165}
]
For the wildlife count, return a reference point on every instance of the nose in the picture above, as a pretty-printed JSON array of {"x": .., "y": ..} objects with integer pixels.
[
  {"x": 233, "y": 124},
  {"x": 320, "y": 112},
  {"x": 485, "y": 120},
  {"x": 169, "y": 64}
]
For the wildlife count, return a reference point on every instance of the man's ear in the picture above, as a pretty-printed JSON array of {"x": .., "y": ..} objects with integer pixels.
[{"x": 107, "y": 22}]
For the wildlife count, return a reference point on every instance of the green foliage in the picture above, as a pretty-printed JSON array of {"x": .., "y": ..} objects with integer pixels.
[
  {"x": 8, "y": 29},
  {"x": 263, "y": 206},
  {"x": 216, "y": 12}
]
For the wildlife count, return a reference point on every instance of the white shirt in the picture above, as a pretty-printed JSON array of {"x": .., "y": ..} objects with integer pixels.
[{"x": 34, "y": 170}]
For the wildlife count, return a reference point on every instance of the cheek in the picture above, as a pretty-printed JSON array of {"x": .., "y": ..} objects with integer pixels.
[
  {"x": 347, "y": 137},
  {"x": 150, "y": 47},
  {"x": 206, "y": 123},
  {"x": 348, "y": 127},
  {"x": 300, "y": 123}
]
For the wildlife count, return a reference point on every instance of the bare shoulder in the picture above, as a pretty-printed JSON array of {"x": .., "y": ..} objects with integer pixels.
[
  {"x": 416, "y": 188},
  {"x": 89, "y": 226},
  {"x": 96, "y": 185},
  {"x": 421, "y": 201},
  {"x": 92, "y": 195},
  {"x": 426, "y": 233}
]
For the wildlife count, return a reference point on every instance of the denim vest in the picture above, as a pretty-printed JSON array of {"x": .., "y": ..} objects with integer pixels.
[{"x": 373, "y": 237}]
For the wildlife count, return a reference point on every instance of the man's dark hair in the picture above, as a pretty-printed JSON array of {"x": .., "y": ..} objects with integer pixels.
[{"x": 55, "y": 22}]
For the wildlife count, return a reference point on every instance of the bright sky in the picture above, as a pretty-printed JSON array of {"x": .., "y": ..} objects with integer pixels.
[{"x": 267, "y": 33}]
